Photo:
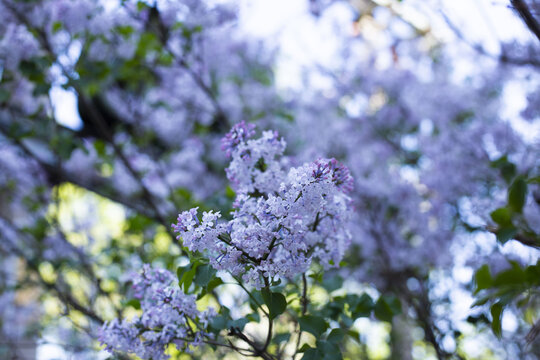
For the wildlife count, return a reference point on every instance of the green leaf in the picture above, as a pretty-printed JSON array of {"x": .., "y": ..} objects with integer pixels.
[
  {"x": 253, "y": 317},
  {"x": 221, "y": 321},
  {"x": 364, "y": 306},
  {"x": 188, "y": 274},
  {"x": 502, "y": 216},
  {"x": 279, "y": 338},
  {"x": 481, "y": 301},
  {"x": 510, "y": 277},
  {"x": 135, "y": 303},
  {"x": 229, "y": 192},
  {"x": 125, "y": 30},
  {"x": 478, "y": 319},
  {"x": 315, "y": 325},
  {"x": 4, "y": 95},
  {"x": 312, "y": 354},
  {"x": 517, "y": 195},
  {"x": 355, "y": 335},
  {"x": 255, "y": 300},
  {"x": 324, "y": 350},
  {"x": 101, "y": 148},
  {"x": 56, "y": 27},
  {"x": 336, "y": 336},
  {"x": 187, "y": 280},
  {"x": 332, "y": 283},
  {"x": 532, "y": 273},
  {"x": 276, "y": 302},
  {"x": 141, "y": 5},
  {"x": 238, "y": 323},
  {"x": 482, "y": 278},
  {"x": 506, "y": 233},
  {"x": 181, "y": 270},
  {"x": 204, "y": 274},
  {"x": 496, "y": 313},
  {"x": 329, "y": 350},
  {"x": 387, "y": 307},
  {"x": 214, "y": 283},
  {"x": 138, "y": 223},
  {"x": 507, "y": 169}
]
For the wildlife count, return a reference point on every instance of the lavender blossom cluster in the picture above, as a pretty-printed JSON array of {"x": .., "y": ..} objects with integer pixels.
[
  {"x": 282, "y": 220},
  {"x": 169, "y": 316}
]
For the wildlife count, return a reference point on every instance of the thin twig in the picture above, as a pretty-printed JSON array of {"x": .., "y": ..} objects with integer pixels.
[{"x": 304, "y": 302}]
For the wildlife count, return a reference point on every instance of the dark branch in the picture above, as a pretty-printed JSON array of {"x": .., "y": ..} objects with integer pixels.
[{"x": 525, "y": 13}]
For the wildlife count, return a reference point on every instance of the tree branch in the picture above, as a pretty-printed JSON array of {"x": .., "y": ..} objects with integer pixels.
[{"x": 525, "y": 13}]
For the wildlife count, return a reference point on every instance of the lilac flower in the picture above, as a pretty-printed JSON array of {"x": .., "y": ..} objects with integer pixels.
[
  {"x": 337, "y": 173},
  {"x": 166, "y": 311},
  {"x": 284, "y": 220},
  {"x": 238, "y": 134}
]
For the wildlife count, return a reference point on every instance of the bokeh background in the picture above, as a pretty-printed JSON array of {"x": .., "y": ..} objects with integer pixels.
[{"x": 111, "y": 114}]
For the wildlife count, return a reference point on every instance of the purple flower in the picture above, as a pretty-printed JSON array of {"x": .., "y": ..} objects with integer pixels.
[
  {"x": 166, "y": 310},
  {"x": 238, "y": 134},
  {"x": 284, "y": 220}
]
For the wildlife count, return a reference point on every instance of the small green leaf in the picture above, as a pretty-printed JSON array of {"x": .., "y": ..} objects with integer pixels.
[
  {"x": 329, "y": 350},
  {"x": 355, "y": 335},
  {"x": 188, "y": 274},
  {"x": 141, "y": 5},
  {"x": 279, "y": 338},
  {"x": 478, "y": 319},
  {"x": 101, "y": 148},
  {"x": 221, "y": 321},
  {"x": 315, "y": 325},
  {"x": 507, "y": 169},
  {"x": 532, "y": 273},
  {"x": 387, "y": 307},
  {"x": 313, "y": 354},
  {"x": 253, "y": 317},
  {"x": 510, "y": 277},
  {"x": 4, "y": 95},
  {"x": 517, "y": 195},
  {"x": 214, "y": 283},
  {"x": 204, "y": 274},
  {"x": 502, "y": 216},
  {"x": 482, "y": 278},
  {"x": 481, "y": 301},
  {"x": 56, "y": 27},
  {"x": 506, "y": 233},
  {"x": 364, "y": 307},
  {"x": 125, "y": 31},
  {"x": 496, "y": 313},
  {"x": 180, "y": 271},
  {"x": 229, "y": 192},
  {"x": 336, "y": 336},
  {"x": 187, "y": 279},
  {"x": 276, "y": 302},
  {"x": 238, "y": 323},
  {"x": 135, "y": 303},
  {"x": 324, "y": 350},
  {"x": 332, "y": 283}
]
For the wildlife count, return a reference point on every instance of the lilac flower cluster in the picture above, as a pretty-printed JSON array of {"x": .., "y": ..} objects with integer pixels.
[
  {"x": 282, "y": 220},
  {"x": 168, "y": 317}
]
